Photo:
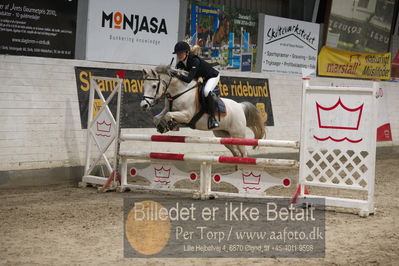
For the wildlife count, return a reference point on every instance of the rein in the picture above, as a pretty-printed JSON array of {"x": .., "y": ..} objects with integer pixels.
[
  {"x": 172, "y": 98},
  {"x": 155, "y": 100}
]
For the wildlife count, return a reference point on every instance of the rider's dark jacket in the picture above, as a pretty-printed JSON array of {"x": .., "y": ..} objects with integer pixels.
[{"x": 196, "y": 68}]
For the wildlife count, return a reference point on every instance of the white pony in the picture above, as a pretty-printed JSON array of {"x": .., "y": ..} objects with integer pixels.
[{"x": 180, "y": 107}]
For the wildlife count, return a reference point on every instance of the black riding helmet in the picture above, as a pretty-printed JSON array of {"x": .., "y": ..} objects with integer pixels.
[{"x": 181, "y": 47}]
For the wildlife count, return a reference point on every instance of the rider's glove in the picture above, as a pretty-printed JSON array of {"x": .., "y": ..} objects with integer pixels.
[{"x": 174, "y": 73}]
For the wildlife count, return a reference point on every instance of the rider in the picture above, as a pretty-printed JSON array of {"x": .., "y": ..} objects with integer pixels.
[{"x": 196, "y": 68}]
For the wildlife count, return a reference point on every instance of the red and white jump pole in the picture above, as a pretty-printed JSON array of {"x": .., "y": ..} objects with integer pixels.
[
  {"x": 261, "y": 162},
  {"x": 210, "y": 140}
]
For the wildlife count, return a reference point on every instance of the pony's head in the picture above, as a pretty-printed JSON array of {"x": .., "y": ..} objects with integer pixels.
[{"x": 156, "y": 83}]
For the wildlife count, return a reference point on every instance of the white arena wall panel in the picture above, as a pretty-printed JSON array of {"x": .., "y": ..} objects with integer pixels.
[{"x": 40, "y": 122}]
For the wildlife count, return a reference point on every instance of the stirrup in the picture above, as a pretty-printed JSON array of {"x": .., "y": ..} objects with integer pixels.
[{"x": 212, "y": 122}]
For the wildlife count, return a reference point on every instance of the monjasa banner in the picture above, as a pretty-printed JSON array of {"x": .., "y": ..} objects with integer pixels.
[
  {"x": 253, "y": 90},
  {"x": 132, "y": 31}
]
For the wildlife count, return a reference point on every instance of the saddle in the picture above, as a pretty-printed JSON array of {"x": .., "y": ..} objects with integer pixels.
[{"x": 202, "y": 107}]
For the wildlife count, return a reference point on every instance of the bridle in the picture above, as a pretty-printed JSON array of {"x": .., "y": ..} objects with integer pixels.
[{"x": 154, "y": 99}]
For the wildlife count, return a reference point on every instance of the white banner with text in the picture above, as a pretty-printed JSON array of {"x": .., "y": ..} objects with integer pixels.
[
  {"x": 290, "y": 46},
  {"x": 132, "y": 31}
]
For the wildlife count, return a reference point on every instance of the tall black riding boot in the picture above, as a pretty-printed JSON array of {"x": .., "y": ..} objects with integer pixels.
[{"x": 212, "y": 102}]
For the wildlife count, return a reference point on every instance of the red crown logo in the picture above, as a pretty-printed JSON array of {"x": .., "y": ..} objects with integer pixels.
[
  {"x": 103, "y": 126},
  {"x": 328, "y": 117},
  {"x": 251, "y": 179},
  {"x": 162, "y": 172}
]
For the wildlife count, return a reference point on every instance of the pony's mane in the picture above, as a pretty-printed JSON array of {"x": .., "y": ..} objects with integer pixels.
[{"x": 163, "y": 69}]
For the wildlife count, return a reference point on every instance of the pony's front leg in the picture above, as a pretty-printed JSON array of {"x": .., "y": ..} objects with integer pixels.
[
  {"x": 160, "y": 123},
  {"x": 157, "y": 118},
  {"x": 177, "y": 117}
]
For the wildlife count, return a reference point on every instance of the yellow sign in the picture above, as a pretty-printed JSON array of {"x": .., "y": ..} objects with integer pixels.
[
  {"x": 339, "y": 63},
  {"x": 97, "y": 104}
]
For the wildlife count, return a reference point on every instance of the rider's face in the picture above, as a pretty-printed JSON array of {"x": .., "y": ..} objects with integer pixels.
[{"x": 181, "y": 56}]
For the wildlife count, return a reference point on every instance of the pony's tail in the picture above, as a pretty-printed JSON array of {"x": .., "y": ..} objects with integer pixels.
[{"x": 255, "y": 121}]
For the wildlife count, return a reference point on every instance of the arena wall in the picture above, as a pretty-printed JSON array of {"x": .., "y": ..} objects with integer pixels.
[{"x": 41, "y": 135}]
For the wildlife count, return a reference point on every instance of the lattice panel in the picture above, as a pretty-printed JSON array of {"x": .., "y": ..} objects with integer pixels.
[
  {"x": 338, "y": 143},
  {"x": 338, "y": 137},
  {"x": 344, "y": 168}
]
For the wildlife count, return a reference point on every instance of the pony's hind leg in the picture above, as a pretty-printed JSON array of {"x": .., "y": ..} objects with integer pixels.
[
  {"x": 224, "y": 134},
  {"x": 241, "y": 149},
  {"x": 233, "y": 149}
]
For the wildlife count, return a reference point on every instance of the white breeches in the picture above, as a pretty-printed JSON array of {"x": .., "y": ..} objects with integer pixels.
[{"x": 211, "y": 84}]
